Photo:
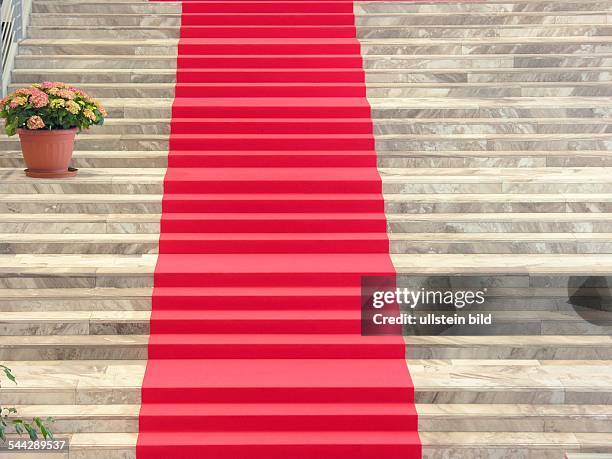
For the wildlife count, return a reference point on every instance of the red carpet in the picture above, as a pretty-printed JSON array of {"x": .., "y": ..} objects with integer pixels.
[{"x": 272, "y": 212}]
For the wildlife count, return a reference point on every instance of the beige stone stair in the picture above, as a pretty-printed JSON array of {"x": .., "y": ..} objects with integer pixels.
[{"x": 493, "y": 130}]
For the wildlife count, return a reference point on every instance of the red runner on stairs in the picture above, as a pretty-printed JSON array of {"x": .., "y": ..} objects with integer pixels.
[{"x": 272, "y": 212}]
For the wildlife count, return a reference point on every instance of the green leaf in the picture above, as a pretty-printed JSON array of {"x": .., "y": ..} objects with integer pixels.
[
  {"x": 9, "y": 374},
  {"x": 46, "y": 433}
]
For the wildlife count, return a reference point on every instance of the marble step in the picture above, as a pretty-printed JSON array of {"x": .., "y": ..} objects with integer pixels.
[
  {"x": 518, "y": 45},
  {"x": 75, "y": 299},
  {"x": 384, "y": 142},
  {"x": 472, "y": 444},
  {"x": 552, "y": 299},
  {"x": 573, "y": 382},
  {"x": 376, "y": 90},
  {"x": 369, "y": 29},
  {"x": 496, "y": 6},
  {"x": 394, "y": 203},
  {"x": 484, "y": 61},
  {"x": 588, "y": 456},
  {"x": 134, "y": 347},
  {"x": 70, "y": 323},
  {"x": 402, "y": 108},
  {"x": 386, "y": 159},
  {"x": 413, "y": 126},
  {"x": 493, "y": 243},
  {"x": 376, "y": 75},
  {"x": 394, "y": 181},
  {"x": 121, "y": 18},
  {"x": 135, "y": 271},
  {"x": 386, "y": 19},
  {"x": 519, "y": 222},
  {"x": 432, "y": 418},
  {"x": 493, "y": 6}
]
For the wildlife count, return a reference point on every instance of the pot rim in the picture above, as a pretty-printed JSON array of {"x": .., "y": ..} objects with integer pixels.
[{"x": 42, "y": 132}]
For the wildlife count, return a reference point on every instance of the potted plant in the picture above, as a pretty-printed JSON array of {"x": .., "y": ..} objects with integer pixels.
[{"x": 47, "y": 116}]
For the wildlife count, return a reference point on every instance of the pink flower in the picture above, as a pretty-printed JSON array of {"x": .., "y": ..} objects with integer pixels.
[
  {"x": 65, "y": 94},
  {"x": 24, "y": 91},
  {"x": 53, "y": 84},
  {"x": 35, "y": 122},
  {"x": 18, "y": 101},
  {"x": 39, "y": 99}
]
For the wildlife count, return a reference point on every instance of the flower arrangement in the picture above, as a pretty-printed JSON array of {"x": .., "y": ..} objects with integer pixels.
[{"x": 50, "y": 106}]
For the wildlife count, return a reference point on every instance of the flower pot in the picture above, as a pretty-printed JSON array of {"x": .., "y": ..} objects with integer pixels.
[{"x": 47, "y": 153}]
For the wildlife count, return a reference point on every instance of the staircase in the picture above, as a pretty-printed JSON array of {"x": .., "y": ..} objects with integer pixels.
[{"x": 492, "y": 123}]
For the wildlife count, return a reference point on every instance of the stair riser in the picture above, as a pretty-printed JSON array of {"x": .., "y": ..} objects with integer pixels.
[
  {"x": 118, "y": 8},
  {"x": 158, "y": 33},
  {"x": 405, "y": 227},
  {"x": 160, "y": 161},
  {"x": 296, "y": 75},
  {"x": 288, "y": 49},
  {"x": 477, "y": 7},
  {"x": 139, "y": 352},
  {"x": 116, "y": 143},
  {"x": 75, "y": 328},
  {"x": 468, "y": 19},
  {"x": 76, "y": 304},
  {"x": 404, "y": 62},
  {"x": 373, "y": 62},
  {"x": 263, "y": 206},
  {"x": 154, "y": 186},
  {"x": 551, "y": 144},
  {"x": 96, "y": 227},
  {"x": 426, "y": 423},
  {"x": 493, "y": 93},
  {"x": 371, "y": 31},
  {"x": 505, "y": 227},
  {"x": 167, "y": 91},
  {"x": 128, "y": 280},
  {"x": 397, "y": 247},
  {"x": 170, "y": 31}
]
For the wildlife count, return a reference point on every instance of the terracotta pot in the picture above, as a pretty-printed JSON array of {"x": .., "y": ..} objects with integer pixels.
[{"x": 47, "y": 153}]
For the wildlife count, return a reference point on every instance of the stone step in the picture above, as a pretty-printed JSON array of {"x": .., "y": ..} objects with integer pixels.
[
  {"x": 416, "y": 222},
  {"x": 386, "y": 159},
  {"x": 573, "y": 382},
  {"x": 552, "y": 299},
  {"x": 494, "y": 243},
  {"x": 481, "y": 222},
  {"x": 496, "y": 6},
  {"x": 369, "y": 29},
  {"x": 382, "y": 127},
  {"x": 518, "y": 45},
  {"x": 484, "y": 61},
  {"x": 46, "y": 204},
  {"x": 127, "y": 271},
  {"x": 395, "y": 181},
  {"x": 75, "y": 299},
  {"x": 563, "y": 75},
  {"x": 402, "y": 108},
  {"x": 514, "y": 322},
  {"x": 588, "y": 456},
  {"x": 363, "y": 20},
  {"x": 432, "y": 418},
  {"x": 377, "y": 90},
  {"x": 75, "y": 346},
  {"x": 392, "y": 142},
  {"x": 481, "y": 444}
]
